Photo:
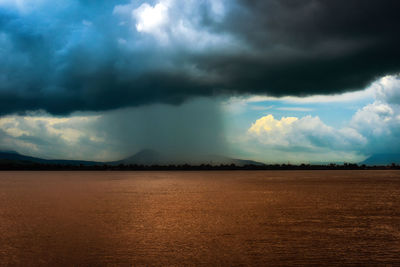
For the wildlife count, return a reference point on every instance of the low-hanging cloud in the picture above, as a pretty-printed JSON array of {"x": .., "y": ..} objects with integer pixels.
[
  {"x": 79, "y": 55},
  {"x": 182, "y": 133}
]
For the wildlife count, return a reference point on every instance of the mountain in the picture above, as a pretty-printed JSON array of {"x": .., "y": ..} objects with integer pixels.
[
  {"x": 218, "y": 160},
  {"x": 143, "y": 157},
  {"x": 151, "y": 157},
  {"x": 382, "y": 159},
  {"x": 15, "y": 157},
  {"x": 146, "y": 157}
]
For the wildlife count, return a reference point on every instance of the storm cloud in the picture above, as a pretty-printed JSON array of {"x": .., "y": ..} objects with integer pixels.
[{"x": 65, "y": 56}]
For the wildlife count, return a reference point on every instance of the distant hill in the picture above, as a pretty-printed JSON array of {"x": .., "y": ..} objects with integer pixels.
[
  {"x": 218, "y": 160},
  {"x": 151, "y": 157},
  {"x": 145, "y": 157},
  {"x": 382, "y": 159},
  {"x": 15, "y": 157}
]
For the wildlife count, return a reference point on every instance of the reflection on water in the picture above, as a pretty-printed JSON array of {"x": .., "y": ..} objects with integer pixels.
[{"x": 201, "y": 218}]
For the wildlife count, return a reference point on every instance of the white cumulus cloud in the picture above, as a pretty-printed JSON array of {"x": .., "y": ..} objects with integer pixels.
[
  {"x": 177, "y": 23},
  {"x": 388, "y": 89},
  {"x": 302, "y": 133},
  {"x": 152, "y": 19},
  {"x": 374, "y": 128}
]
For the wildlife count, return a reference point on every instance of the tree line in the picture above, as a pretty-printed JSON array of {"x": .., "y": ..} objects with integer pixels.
[{"x": 187, "y": 167}]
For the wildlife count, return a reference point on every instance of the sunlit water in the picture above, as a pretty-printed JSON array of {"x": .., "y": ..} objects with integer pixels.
[{"x": 200, "y": 218}]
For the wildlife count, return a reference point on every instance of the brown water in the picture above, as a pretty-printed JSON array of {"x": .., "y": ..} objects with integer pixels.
[{"x": 200, "y": 218}]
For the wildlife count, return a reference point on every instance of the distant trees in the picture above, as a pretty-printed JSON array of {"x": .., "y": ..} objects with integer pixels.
[{"x": 186, "y": 167}]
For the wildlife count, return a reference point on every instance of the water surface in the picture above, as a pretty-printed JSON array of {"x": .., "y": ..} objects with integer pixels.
[{"x": 200, "y": 218}]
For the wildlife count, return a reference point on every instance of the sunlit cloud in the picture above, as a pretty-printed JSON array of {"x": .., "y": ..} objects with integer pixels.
[
  {"x": 40, "y": 132},
  {"x": 373, "y": 128},
  {"x": 152, "y": 19},
  {"x": 307, "y": 133},
  {"x": 173, "y": 22}
]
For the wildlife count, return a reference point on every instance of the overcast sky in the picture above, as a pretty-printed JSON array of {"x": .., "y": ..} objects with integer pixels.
[{"x": 269, "y": 80}]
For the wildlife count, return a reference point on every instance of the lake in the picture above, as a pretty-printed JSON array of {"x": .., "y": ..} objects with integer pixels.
[{"x": 200, "y": 218}]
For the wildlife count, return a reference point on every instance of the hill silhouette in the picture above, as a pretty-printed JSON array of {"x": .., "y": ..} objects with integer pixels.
[
  {"x": 151, "y": 157},
  {"x": 152, "y": 160},
  {"x": 15, "y": 157},
  {"x": 382, "y": 159}
]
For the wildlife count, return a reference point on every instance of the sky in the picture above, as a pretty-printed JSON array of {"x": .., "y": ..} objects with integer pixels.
[{"x": 269, "y": 80}]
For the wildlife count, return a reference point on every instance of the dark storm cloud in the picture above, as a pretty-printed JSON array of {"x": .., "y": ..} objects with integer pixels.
[
  {"x": 308, "y": 47},
  {"x": 81, "y": 55}
]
